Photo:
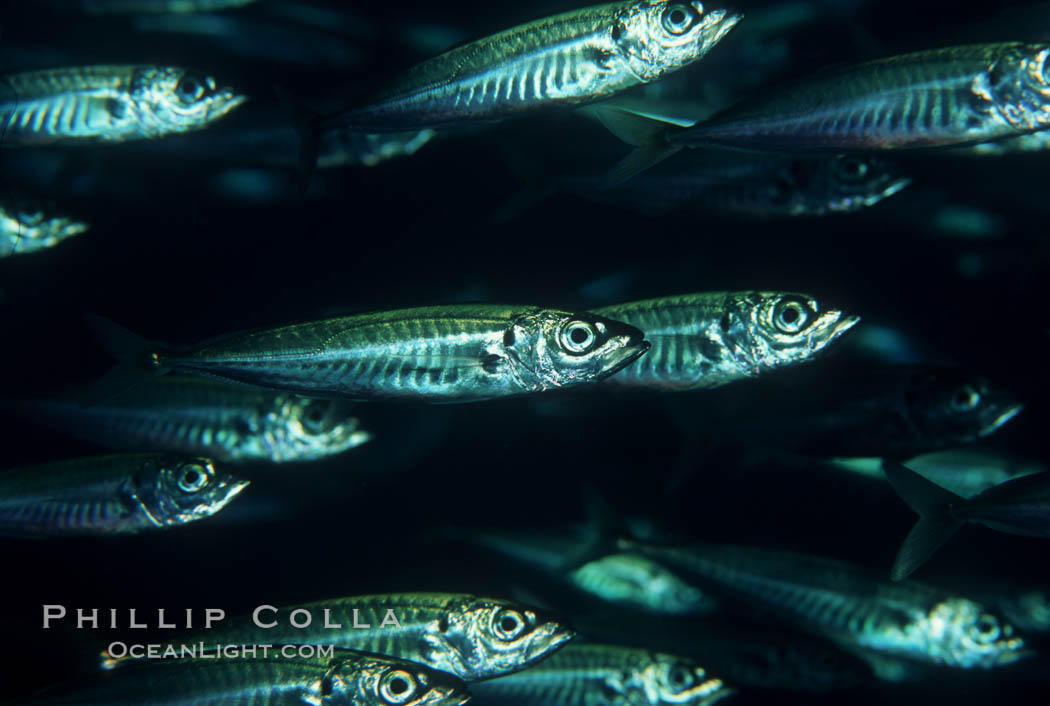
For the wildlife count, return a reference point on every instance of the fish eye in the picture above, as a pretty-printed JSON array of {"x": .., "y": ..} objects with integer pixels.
[
  {"x": 509, "y": 624},
  {"x": 190, "y": 89},
  {"x": 579, "y": 337},
  {"x": 790, "y": 316},
  {"x": 192, "y": 478},
  {"x": 965, "y": 399},
  {"x": 987, "y": 628},
  {"x": 853, "y": 169},
  {"x": 397, "y": 686},
  {"x": 680, "y": 677},
  {"x": 678, "y": 18},
  {"x": 313, "y": 416}
]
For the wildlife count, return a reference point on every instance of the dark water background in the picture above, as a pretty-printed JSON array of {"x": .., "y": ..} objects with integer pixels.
[{"x": 174, "y": 260}]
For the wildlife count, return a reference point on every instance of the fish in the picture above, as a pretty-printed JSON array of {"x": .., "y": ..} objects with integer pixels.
[
  {"x": 279, "y": 675},
  {"x": 108, "y": 104},
  {"x": 706, "y": 340},
  {"x": 848, "y": 604},
  {"x": 1018, "y": 506},
  {"x": 749, "y": 186},
  {"x": 747, "y": 656},
  {"x": 627, "y": 581},
  {"x": 197, "y": 416},
  {"x": 454, "y": 353},
  {"x": 895, "y": 411},
  {"x": 569, "y": 59},
  {"x": 591, "y": 674},
  {"x": 470, "y": 637},
  {"x": 28, "y": 226},
  {"x": 107, "y": 495},
  {"x": 964, "y": 471},
  {"x": 943, "y": 97}
]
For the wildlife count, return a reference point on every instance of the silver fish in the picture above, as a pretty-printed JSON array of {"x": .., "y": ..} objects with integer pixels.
[
  {"x": 280, "y": 676},
  {"x": 568, "y": 59},
  {"x": 848, "y": 604},
  {"x": 712, "y": 339},
  {"x": 606, "y": 675},
  {"x": 446, "y": 353},
  {"x": 939, "y": 98},
  {"x": 208, "y": 418},
  {"x": 752, "y": 186},
  {"x": 121, "y": 494},
  {"x": 473, "y": 638},
  {"x": 27, "y": 226},
  {"x": 1032, "y": 142},
  {"x": 108, "y": 104},
  {"x": 1018, "y": 506}
]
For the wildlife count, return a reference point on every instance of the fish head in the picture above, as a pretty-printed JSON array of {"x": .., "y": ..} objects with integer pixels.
[
  {"x": 175, "y": 490},
  {"x": 304, "y": 429},
  {"x": 847, "y": 183},
  {"x": 556, "y": 348},
  {"x": 170, "y": 99},
  {"x": 1017, "y": 84},
  {"x": 770, "y": 330},
  {"x": 954, "y": 406},
  {"x": 960, "y": 633},
  {"x": 480, "y": 638},
  {"x": 390, "y": 682},
  {"x": 656, "y": 38},
  {"x": 673, "y": 680}
]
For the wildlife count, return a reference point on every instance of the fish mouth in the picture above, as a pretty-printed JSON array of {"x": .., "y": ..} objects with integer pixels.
[
  {"x": 1008, "y": 413},
  {"x": 233, "y": 489},
  {"x": 549, "y": 638},
  {"x": 224, "y": 102},
  {"x": 622, "y": 357},
  {"x": 832, "y": 325},
  {"x": 449, "y": 695},
  {"x": 718, "y": 22}
]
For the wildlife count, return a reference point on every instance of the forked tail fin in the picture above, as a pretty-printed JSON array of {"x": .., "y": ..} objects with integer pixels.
[{"x": 936, "y": 524}]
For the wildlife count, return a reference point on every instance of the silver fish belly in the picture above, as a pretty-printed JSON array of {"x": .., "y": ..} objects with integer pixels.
[
  {"x": 107, "y": 104},
  {"x": 568, "y": 59},
  {"x": 709, "y": 340}
]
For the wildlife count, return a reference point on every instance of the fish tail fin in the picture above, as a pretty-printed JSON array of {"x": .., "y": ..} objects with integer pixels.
[
  {"x": 137, "y": 360},
  {"x": 935, "y": 526},
  {"x": 645, "y": 132},
  {"x": 307, "y": 124}
]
